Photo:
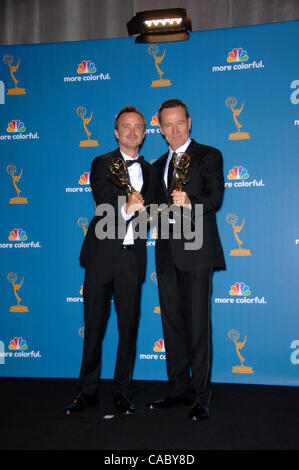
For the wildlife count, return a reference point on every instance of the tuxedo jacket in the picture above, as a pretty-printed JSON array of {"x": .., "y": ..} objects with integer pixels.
[
  {"x": 106, "y": 251},
  {"x": 206, "y": 187}
]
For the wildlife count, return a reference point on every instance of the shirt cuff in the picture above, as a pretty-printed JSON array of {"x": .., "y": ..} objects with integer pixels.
[{"x": 125, "y": 216}]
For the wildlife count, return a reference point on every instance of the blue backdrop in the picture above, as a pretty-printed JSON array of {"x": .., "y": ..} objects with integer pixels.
[{"x": 58, "y": 103}]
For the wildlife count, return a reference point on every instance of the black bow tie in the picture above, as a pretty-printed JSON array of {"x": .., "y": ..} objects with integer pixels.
[{"x": 136, "y": 160}]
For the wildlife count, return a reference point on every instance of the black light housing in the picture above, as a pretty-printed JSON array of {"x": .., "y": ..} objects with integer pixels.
[{"x": 160, "y": 25}]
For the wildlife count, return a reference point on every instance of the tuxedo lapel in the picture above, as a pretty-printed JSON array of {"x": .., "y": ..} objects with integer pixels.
[
  {"x": 111, "y": 176},
  {"x": 162, "y": 171},
  {"x": 145, "y": 177},
  {"x": 192, "y": 151}
]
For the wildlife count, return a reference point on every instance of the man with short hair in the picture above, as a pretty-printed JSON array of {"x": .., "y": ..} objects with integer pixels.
[
  {"x": 185, "y": 275},
  {"x": 115, "y": 266}
]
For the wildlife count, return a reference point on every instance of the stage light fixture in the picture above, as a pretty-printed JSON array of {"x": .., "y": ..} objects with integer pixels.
[{"x": 160, "y": 25}]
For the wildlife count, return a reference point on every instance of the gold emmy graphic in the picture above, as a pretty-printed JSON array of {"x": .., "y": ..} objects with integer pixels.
[
  {"x": 12, "y": 277},
  {"x": 231, "y": 103},
  {"x": 232, "y": 219},
  {"x": 81, "y": 112},
  {"x": 154, "y": 277},
  {"x": 234, "y": 336},
  {"x": 83, "y": 223},
  {"x": 11, "y": 170},
  {"x": 153, "y": 51},
  {"x": 8, "y": 60},
  {"x": 157, "y": 310},
  {"x": 81, "y": 332}
]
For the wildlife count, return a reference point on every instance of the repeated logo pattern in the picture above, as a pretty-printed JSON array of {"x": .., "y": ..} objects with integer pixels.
[
  {"x": 16, "y": 126},
  {"x": 18, "y": 234},
  {"x": 18, "y": 343},
  {"x": 237, "y": 55},
  {"x": 86, "y": 66}
]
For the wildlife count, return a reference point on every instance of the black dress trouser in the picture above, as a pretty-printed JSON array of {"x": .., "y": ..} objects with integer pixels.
[
  {"x": 185, "y": 298},
  {"x": 120, "y": 281}
]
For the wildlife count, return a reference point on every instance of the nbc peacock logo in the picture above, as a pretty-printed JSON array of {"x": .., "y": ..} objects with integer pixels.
[
  {"x": 87, "y": 72},
  {"x": 238, "y": 177},
  {"x": 16, "y": 131},
  {"x": 18, "y": 344},
  {"x": 239, "y": 288},
  {"x": 18, "y": 238},
  {"x": 159, "y": 352},
  {"x": 16, "y": 126},
  {"x": 86, "y": 66},
  {"x": 159, "y": 346},
  {"x": 237, "y": 55},
  {"x": 154, "y": 122},
  {"x": 19, "y": 348},
  {"x": 18, "y": 234},
  {"x": 84, "y": 184},
  {"x": 85, "y": 178},
  {"x": 238, "y": 173},
  {"x": 237, "y": 59},
  {"x": 240, "y": 293}
]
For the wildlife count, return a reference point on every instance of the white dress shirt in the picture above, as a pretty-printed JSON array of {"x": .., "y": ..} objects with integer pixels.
[{"x": 136, "y": 180}]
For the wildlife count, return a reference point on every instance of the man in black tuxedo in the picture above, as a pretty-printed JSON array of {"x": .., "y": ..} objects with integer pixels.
[
  {"x": 115, "y": 264},
  {"x": 184, "y": 274}
]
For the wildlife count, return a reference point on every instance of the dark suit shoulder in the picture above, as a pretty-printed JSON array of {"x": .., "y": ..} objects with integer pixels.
[
  {"x": 107, "y": 156},
  {"x": 102, "y": 161},
  {"x": 147, "y": 165},
  {"x": 160, "y": 160},
  {"x": 201, "y": 148}
]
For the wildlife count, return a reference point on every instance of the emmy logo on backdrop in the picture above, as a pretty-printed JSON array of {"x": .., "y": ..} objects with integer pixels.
[
  {"x": 232, "y": 219},
  {"x": 234, "y": 336},
  {"x": 11, "y": 170},
  {"x": 154, "y": 277},
  {"x": 83, "y": 223},
  {"x": 231, "y": 103},
  {"x": 81, "y": 112},
  {"x": 153, "y": 51},
  {"x": 8, "y": 60},
  {"x": 12, "y": 277}
]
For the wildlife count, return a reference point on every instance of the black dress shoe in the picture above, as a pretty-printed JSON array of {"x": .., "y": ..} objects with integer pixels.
[
  {"x": 199, "y": 412},
  {"x": 81, "y": 401},
  {"x": 123, "y": 405},
  {"x": 169, "y": 402}
]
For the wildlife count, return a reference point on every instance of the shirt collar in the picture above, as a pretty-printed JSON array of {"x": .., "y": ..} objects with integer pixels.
[
  {"x": 182, "y": 148},
  {"x": 127, "y": 157}
]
